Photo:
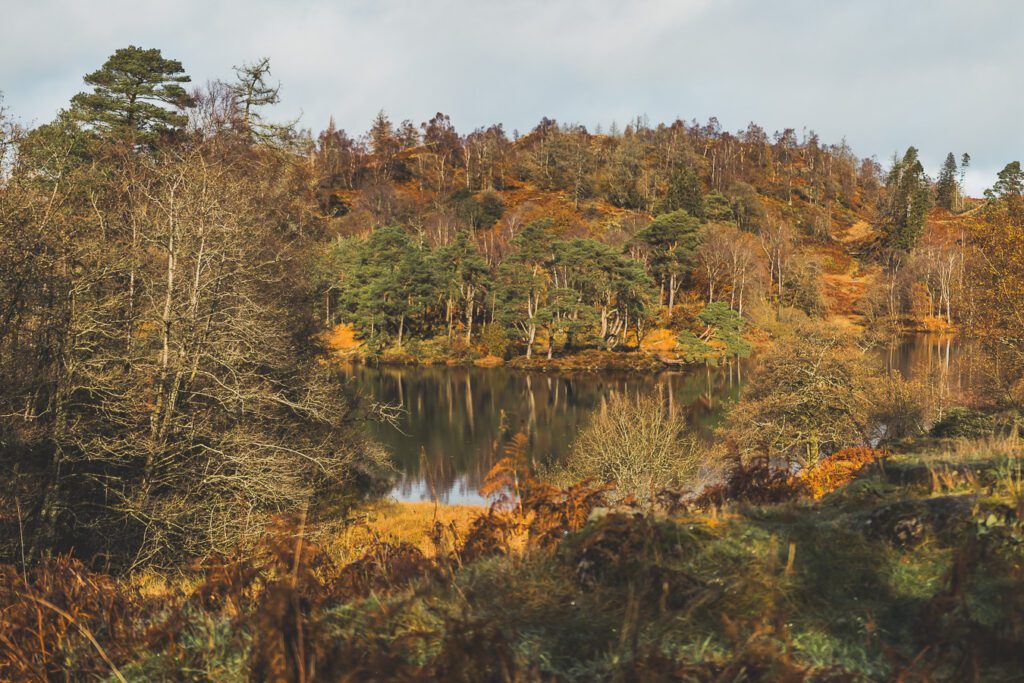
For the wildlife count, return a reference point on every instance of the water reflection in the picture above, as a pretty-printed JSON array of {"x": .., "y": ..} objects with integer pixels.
[
  {"x": 942, "y": 362},
  {"x": 458, "y": 420}
]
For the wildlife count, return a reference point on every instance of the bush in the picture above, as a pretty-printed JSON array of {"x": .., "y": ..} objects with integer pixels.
[
  {"x": 637, "y": 444},
  {"x": 963, "y": 423},
  {"x": 904, "y": 407},
  {"x": 495, "y": 340},
  {"x": 811, "y": 397}
]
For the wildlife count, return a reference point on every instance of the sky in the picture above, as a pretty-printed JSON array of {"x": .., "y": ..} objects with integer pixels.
[{"x": 942, "y": 75}]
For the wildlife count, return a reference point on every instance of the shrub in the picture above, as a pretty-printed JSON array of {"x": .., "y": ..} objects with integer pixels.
[
  {"x": 905, "y": 407},
  {"x": 963, "y": 423},
  {"x": 811, "y": 397},
  {"x": 495, "y": 340},
  {"x": 637, "y": 444},
  {"x": 836, "y": 471}
]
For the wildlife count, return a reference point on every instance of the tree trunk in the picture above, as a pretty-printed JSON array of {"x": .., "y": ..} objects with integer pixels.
[{"x": 469, "y": 315}]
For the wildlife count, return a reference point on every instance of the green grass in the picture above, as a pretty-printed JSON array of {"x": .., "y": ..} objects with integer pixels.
[{"x": 792, "y": 591}]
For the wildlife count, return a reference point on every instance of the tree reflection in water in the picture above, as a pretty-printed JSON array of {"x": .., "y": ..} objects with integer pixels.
[{"x": 457, "y": 420}]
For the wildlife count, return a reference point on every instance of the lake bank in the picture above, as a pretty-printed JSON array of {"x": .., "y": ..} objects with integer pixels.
[{"x": 659, "y": 350}]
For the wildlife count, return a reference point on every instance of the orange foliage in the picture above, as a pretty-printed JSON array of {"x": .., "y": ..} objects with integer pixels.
[
  {"x": 836, "y": 470},
  {"x": 341, "y": 339},
  {"x": 58, "y": 607},
  {"x": 757, "y": 482},
  {"x": 526, "y": 510}
]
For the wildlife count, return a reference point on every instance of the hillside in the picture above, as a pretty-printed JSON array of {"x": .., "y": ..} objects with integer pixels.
[{"x": 776, "y": 222}]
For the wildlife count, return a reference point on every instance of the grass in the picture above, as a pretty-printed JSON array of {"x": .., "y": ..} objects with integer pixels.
[
  {"x": 394, "y": 522},
  {"x": 797, "y": 590}
]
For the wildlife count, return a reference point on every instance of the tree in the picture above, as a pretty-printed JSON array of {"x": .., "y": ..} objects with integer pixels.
[
  {"x": 463, "y": 275},
  {"x": 156, "y": 391},
  {"x": 382, "y": 280},
  {"x": 726, "y": 327},
  {"x": 718, "y": 209},
  {"x": 683, "y": 192},
  {"x": 131, "y": 95},
  {"x": 811, "y": 397},
  {"x": 965, "y": 162},
  {"x": 251, "y": 91},
  {"x": 609, "y": 286},
  {"x": 444, "y": 146},
  {"x": 1009, "y": 187},
  {"x": 712, "y": 258},
  {"x": 523, "y": 282},
  {"x": 996, "y": 284},
  {"x": 388, "y": 165},
  {"x": 938, "y": 262},
  {"x": 668, "y": 244},
  {"x": 947, "y": 189},
  {"x": 729, "y": 262},
  {"x": 521, "y": 293},
  {"x": 778, "y": 242},
  {"x": 636, "y": 443},
  {"x": 907, "y": 202},
  {"x": 564, "y": 312},
  {"x": 722, "y": 336}
]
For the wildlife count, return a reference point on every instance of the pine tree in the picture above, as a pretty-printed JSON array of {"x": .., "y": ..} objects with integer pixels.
[
  {"x": 251, "y": 91},
  {"x": 908, "y": 198},
  {"x": 947, "y": 190},
  {"x": 965, "y": 162},
  {"x": 670, "y": 242},
  {"x": 131, "y": 95},
  {"x": 683, "y": 192}
]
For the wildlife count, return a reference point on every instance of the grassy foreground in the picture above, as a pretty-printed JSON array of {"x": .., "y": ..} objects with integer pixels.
[{"x": 910, "y": 568}]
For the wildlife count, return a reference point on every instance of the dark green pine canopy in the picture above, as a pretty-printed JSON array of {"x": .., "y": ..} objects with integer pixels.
[{"x": 132, "y": 93}]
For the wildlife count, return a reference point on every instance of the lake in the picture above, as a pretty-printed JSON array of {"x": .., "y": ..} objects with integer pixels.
[{"x": 456, "y": 420}]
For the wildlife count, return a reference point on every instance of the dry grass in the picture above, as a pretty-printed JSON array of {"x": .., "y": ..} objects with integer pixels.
[{"x": 394, "y": 522}]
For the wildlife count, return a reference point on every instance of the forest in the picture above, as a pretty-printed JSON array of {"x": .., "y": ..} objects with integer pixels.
[{"x": 190, "y": 491}]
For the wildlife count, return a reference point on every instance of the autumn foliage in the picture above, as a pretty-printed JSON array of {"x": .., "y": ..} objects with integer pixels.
[{"x": 837, "y": 470}]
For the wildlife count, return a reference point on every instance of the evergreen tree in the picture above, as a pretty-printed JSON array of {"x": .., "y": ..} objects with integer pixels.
[
  {"x": 908, "y": 199},
  {"x": 463, "y": 275},
  {"x": 726, "y": 326},
  {"x": 565, "y": 313},
  {"x": 252, "y": 91},
  {"x": 718, "y": 209},
  {"x": 131, "y": 95},
  {"x": 965, "y": 162},
  {"x": 947, "y": 190},
  {"x": 1009, "y": 182},
  {"x": 683, "y": 192},
  {"x": 1009, "y": 190},
  {"x": 524, "y": 281},
  {"x": 670, "y": 242}
]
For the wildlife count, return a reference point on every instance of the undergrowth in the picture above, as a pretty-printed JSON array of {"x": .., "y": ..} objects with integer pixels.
[{"x": 770, "y": 576}]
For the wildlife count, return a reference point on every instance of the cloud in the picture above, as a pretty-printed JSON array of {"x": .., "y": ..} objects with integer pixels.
[{"x": 881, "y": 74}]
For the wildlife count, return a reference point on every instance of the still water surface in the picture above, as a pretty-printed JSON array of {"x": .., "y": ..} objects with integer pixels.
[{"x": 456, "y": 420}]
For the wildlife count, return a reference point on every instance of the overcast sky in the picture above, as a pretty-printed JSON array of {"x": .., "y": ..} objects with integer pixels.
[{"x": 943, "y": 75}]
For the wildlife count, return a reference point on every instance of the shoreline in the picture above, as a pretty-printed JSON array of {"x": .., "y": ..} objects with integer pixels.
[{"x": 589, "y": 360}]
